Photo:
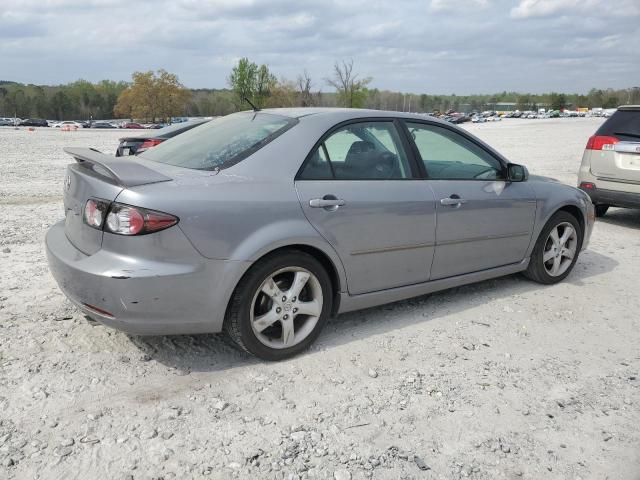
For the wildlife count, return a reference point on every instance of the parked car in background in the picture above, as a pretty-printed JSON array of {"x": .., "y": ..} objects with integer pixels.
[
  {"x": 610, "y": 169},
  {"x": 132, "y": 125},
  {"x": 69, "y": 124},
  {"x": 103, "y": 125},
  {"x": 5, "y": 122},
  {"x": 34, "y": 122},
  {"x": 265, "y": 223},
  {"x": 139, "y": 143}
]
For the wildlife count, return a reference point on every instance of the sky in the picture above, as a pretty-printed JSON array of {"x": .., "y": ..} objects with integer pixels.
[{"x": 421, "y": 46}]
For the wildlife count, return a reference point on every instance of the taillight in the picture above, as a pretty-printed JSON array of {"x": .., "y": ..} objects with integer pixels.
[
  {"x": 148, "y": 144},
  {"x": 94, "y": 212},
  {"x": 601, "y": 142},
  {"x": 125, "y": 219},
  {"x": 588, "y": 185}
]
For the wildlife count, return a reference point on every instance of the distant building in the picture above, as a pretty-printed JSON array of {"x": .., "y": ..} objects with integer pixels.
[{"x": 502, "y": 107}]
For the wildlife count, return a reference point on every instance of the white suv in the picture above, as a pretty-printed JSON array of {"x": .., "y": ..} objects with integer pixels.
[{"x": 610, "y": 169}]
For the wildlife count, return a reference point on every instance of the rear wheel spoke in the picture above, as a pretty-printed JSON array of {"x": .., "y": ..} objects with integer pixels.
[
  {"x": 288, "y": 333},
  {"x": 271, "y": 289},
  {"x": 299, "y": 281},
  {"x": 312, "y": 308},
  {"x": 557, "y": 261},
  {"x": 265, "y": 321},
  {"x": 548, "y": 255}
]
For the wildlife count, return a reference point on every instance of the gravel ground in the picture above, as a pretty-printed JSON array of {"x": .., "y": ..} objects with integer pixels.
[{"x": 504, "y": 379}]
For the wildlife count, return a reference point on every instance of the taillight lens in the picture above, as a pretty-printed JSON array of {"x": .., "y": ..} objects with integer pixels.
[
  {"x": 601, "y": 142},
  {"x": 94, "y": 212},
  {"x": 148, "y": 144},
  {"x": 125, "y": 219}
]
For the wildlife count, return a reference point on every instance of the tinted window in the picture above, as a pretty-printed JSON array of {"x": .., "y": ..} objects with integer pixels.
[
  {"x": 624, "y": 124},
  {"x": 448, "y": 155},
  {"x": 222, "y": 142},
  {"x": 317, "y": 167},
  {"x": 360, "y": 151}
]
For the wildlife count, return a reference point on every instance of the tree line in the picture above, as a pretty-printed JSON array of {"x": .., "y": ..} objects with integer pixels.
[{"x": 156, "y": 96}]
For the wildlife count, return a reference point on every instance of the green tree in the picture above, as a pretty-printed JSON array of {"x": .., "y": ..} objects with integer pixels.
[
  {"x": 153, "y": 96},
  {"x": 248, "y": 81},
  {"x": 558, "y": 101}
]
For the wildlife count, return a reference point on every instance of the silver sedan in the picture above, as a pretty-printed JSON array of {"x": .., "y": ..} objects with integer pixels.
[{"x": 265, "y": 223}]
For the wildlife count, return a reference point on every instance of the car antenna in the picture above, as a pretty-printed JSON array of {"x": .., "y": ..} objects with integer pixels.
[{"x": 255, "y": 109}]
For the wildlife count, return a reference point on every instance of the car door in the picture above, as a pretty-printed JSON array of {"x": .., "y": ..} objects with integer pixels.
[
  {"x": 360, "y": 189},
  {"x": 483, "y": 220}
]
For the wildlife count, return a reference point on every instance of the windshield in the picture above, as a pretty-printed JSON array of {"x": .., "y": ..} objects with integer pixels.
[
  {"x": 222, "y": 142},
  {"x": 176, "y": 128}
]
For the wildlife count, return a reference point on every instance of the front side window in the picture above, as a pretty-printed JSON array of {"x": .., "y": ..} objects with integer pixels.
[
  {"x": 360, "y": 151},
  {"x": 447, "y": 155},
  {"x": 222, "y": 142}
]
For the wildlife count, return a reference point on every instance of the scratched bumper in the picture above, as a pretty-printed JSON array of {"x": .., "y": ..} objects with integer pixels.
[{"x": 160, "y": 286}]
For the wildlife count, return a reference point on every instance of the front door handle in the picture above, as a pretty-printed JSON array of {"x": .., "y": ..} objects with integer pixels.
[
  {"x": 452, "y": 201},
  {"x": 328, "y": 202}
]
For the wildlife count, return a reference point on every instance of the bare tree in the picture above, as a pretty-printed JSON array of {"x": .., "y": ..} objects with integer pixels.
[
  {"x": 352, "y": 92},
  {"x": 303, "y": 86}
]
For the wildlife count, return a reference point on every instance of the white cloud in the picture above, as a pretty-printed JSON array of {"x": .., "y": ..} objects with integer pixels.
[
  {"x": 452, "y": 5},
  {"x": 544, "y": 8},
  {"x": 434, "y": 46}
]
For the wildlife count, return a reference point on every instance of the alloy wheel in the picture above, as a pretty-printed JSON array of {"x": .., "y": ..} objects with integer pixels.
[
  {"x": 560, "y": 249},
  {"x": 286, "y": 307}
]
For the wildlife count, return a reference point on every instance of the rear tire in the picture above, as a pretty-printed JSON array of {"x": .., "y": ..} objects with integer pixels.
[
  {"x": 550, "y": 262},
  {"x": 601, "y": 210},
  {"x": 280, "y": 306}
]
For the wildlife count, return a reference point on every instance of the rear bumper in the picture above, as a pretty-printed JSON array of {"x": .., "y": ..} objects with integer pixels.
[
  {"x": 145, "y": 296},
  {"x": 600, "y": 196}
]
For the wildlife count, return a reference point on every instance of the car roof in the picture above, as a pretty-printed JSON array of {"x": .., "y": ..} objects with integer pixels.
[
  {"x": 635, "y": 108},
  {"x": 342, "y": 114}
]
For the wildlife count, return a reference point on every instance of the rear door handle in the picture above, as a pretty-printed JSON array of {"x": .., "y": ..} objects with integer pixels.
[
  {"x": 452, "y": 201},
  {"x": 326, "y": 202}
]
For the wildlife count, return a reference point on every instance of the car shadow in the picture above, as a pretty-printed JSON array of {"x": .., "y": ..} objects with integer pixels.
[
  {"x": 215, "y": 352},
  {"x": 622, "y": 217}
]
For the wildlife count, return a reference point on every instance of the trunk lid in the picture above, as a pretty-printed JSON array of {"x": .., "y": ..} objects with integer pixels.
[{"x": 96, "y": 175}]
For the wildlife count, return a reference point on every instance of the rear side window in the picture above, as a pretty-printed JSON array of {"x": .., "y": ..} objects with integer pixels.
[
  {"x": 222, "y": 142},
  {"x": 624, "y": 124},
  {"x": 359, "y": 151}
]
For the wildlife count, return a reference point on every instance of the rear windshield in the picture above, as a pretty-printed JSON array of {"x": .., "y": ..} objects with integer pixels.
[
  {"x": 222, "y": 142},
  {"x": 176, "y": 128},
  {"x": 624, "y": 124}
]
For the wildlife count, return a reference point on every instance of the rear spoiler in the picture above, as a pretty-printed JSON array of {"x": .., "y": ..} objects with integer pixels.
[{"x": 123, "y": 171}]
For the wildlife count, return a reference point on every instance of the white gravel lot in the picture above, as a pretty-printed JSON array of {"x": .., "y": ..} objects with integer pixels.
[{"x": 504, "y": 379}]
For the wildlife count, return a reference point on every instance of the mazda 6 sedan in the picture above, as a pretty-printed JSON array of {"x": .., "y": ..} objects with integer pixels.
[{"x": 263, "y": 224}]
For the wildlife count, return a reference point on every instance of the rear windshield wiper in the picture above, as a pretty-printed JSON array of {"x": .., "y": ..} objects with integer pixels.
[{"x": 626, "y": 134}]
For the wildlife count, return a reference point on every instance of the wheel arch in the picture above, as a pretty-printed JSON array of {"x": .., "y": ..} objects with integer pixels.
[
  {"x": 576, "y": 212},
  {"x": 333, "y": 267}
]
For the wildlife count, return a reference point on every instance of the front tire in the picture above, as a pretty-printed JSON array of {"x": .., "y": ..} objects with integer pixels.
[
  {"x": 280, "y": 306},
  {"x": 556, "y": 250}
]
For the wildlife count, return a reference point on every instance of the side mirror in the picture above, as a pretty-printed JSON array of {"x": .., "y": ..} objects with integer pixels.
[{"x": 517, "y": 173}]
